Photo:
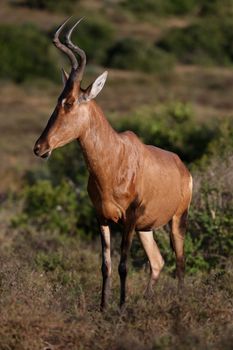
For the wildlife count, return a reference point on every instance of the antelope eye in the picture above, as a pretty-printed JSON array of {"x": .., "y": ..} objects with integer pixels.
[{"x": 68, "y": 105}]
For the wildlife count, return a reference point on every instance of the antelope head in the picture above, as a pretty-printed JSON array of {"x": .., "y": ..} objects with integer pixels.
[{"x": 70, "y": 116}]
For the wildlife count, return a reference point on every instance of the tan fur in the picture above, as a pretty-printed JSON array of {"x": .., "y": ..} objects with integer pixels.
[
  {"x": 154, "y": 256},
  {"x": 106, "y": 265},
  {"x": 140, "y": 186}
]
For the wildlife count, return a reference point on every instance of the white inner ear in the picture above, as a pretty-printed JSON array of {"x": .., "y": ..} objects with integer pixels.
[{"x": 97, "y": 86}]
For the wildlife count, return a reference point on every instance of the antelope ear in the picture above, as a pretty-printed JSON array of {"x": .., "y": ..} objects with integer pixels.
[
  {"x": 64, "y": 76},
  {"x": 94, "y": 89}
]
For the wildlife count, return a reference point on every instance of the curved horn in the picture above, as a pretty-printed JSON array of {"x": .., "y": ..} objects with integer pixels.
[
  {"x": 77, "y": 50},
  {"x": 63, "y": 48}
]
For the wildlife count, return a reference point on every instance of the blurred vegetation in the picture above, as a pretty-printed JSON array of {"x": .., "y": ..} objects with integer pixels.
[
  {"x": 220, "y": 8},
  {"x": 25, "y": 53},
  {"x": 207, "y": 41},
  {"x": 57, "y": 199},
  {"x": 135, "y": 54},
  {"x": 172, "y": 127},
  {"x": 161, "y": 7},
  {"x": 51, "y": 207},
  {"x": 52, "y": 5}
]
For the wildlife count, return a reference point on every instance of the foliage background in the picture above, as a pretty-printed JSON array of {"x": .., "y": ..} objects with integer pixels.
[{"x": 170, "y": 81}]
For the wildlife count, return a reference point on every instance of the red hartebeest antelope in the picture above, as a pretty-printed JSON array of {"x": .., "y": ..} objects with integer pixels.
[{"x": 141, "y": 186}]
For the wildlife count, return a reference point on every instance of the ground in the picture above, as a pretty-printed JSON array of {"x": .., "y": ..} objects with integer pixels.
[{"x": 50, "y": 294}]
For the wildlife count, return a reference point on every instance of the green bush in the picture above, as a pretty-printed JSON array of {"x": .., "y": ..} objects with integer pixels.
[
  {"x": 195, "y": 260},
  {"x": 52, "y": 5},
  {"x": 223, "y": 143},
  {"x": 25, "y": 53},
  {"x": 211, "y": 216},
  {"x": 57, "y": 199},
  {"x": 52, "y": 207},
  {"x": 206, "y": 42},
  {"x": 223, "y": 8},
  {"x": 178, "y": 7},
  {"x": 50, "y": 262},
  {"x": 133, "y": 54},
  {"x": 160, "y": 7},
  {"x": 181, "y": 7},
  {"x": 171, "y": 127},
  {"x": 220, "y": 146},
  {"x": 68, "y": 163},
  {"x": 211, "y": 225}
]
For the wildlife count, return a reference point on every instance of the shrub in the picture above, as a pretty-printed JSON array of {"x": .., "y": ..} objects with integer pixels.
[
  {"x": 68, "y": 163},
  {"x": 160, "y": 7},
  {"x": 134, "y": 54},
  {"x": 171, "y": 127},
  {"x": 57, "y": 199},
  {"x": 223, "y": 8},
  {"x": 220, "y": 146},
  {"x": 211, "y": 216},
  {"x": 178, "y": 7},
  {"x": 211, "y": 224},
  {"x": 52, "y": 207},
  {"x": 51, "y": 5},
  {"x": 195, "y": 260},
  {"x": 205, "y": 42},
  {"x": 50, "y": 262},
  {"x": 25, "y": 53},
  {"x": 181, "y": 7}
]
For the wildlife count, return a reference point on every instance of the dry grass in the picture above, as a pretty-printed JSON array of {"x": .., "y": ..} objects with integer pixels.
[
  {"x": 56, "y": 306},
  {"x": 14, "y": 12}
]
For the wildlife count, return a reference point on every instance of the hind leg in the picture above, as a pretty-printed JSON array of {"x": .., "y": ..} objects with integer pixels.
[
  {"x": 154, "y": 256},
  {"x": 178, "y": 229}
]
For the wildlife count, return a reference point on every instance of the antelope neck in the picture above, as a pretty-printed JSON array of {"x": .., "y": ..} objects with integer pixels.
[{"x": 99, "y": 143}]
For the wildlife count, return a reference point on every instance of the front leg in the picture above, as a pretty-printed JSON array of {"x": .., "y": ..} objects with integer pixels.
[
  {"x": 126, "y": 243},
  {"x": 106, "y": 265}
]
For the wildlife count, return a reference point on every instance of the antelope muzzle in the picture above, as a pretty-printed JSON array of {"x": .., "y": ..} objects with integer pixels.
[{"x": 42, "y": 149}]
